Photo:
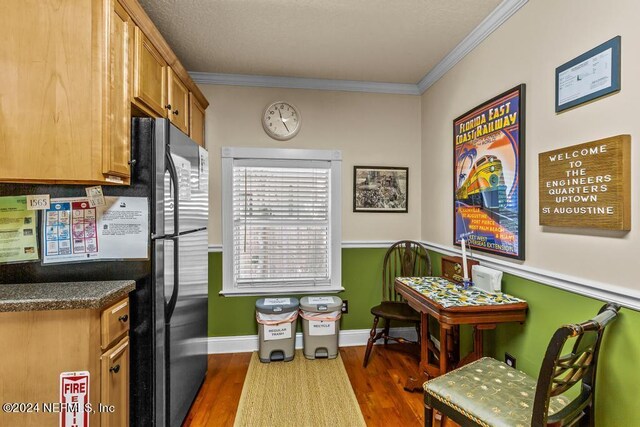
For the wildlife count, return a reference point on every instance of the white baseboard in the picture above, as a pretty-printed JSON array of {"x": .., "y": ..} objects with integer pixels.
[{"x": 346, "y": 338}]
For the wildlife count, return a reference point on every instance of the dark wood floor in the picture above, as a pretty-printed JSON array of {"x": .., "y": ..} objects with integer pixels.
[{"x": 378, "y": 388}]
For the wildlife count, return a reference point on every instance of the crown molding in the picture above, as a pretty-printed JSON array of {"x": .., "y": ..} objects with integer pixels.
[
  {"x": 303, "y": 83},
  {"x": 495, "y": 19},
  {"x": 626, "y": 297}
]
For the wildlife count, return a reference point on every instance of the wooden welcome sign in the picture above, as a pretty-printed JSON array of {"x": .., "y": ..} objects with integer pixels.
[{"x": 587, "y": 185}]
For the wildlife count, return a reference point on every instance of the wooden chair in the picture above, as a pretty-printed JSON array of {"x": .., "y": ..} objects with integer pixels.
[
  {"x": 490, "y": 393},
  {"x": 405, "y": 258}
]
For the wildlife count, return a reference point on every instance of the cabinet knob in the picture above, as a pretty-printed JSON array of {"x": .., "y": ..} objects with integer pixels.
[
  {"x": 176, "y": 112},
  {"x": 123, "y": 318},
  {"x": 168, "y": 106},
  {"x": 132, "y": 162},
  {"x": 115, "y": 369}
]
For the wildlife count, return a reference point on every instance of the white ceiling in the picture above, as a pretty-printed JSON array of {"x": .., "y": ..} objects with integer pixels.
[{"x": 395, "y": 41}]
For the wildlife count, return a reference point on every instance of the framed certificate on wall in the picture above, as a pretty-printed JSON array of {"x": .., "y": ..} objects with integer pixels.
[{"x": 593, "y": 74}]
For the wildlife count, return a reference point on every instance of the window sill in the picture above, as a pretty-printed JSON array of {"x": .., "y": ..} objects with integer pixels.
[{"x": 286, "y": 291}]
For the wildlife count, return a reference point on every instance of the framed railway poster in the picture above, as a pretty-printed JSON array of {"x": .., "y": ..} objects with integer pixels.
[{"x": 488, "y": 175}]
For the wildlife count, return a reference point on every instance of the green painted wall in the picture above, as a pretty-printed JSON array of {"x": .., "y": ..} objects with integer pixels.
[
  {"x": 618, "y": 383},
  {"x": 361, "y": 276}
]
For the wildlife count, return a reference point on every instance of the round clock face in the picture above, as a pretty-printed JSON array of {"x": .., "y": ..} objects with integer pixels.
[{"x": 281, "y": 120}]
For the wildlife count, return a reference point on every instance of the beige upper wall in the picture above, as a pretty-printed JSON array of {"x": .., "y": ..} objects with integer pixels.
[
  {"x": 527, "y": 49},
  {"x": 370, "y": 129}
]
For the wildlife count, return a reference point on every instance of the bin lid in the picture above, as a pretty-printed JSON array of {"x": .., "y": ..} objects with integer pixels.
[
  {"x": 320, "y": 304},
  {"x": 276, "y": 305}
]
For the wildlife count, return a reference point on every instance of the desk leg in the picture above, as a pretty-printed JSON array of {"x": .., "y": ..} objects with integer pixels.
[
  {"x": 478, "y": 348},
  {"x": 444, "y": 349},
  {"x": 456, "y": 345},
  {"x": 453, "y": 346},
  {"x": 477, "y": 342},
  {"x": 415, "y": 383}
]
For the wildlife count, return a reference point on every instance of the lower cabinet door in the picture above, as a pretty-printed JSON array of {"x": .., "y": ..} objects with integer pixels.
[{"x": 114, "y": 393}]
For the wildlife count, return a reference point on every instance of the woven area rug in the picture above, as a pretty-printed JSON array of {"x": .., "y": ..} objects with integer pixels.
[{"x": 298, "y": 393}]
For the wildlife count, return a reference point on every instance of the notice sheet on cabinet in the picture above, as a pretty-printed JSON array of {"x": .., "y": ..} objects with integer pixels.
[{"x": 72, "y": 230}]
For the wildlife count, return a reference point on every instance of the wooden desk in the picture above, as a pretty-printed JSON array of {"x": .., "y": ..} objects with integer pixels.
[{"x": 435, "y": 361}]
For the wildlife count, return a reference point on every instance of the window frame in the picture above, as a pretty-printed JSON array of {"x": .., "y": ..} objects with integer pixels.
[{"x": 231, "y": 154}]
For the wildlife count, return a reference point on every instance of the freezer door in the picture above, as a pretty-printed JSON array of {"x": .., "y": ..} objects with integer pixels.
[
  {"x": 190, "y": 162},
  {"x": 187, "y": 326},
  {"x": 160, "y": 177}
]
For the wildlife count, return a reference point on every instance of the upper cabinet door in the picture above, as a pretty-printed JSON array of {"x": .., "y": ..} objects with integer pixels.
[
  {"x": 149, "y": 77},
  {"x": 178, "y": 103},
  {"x": 117, "y": 144},
  {"x": 196, "y": 120},
  {"x": 50, "y": 128}
]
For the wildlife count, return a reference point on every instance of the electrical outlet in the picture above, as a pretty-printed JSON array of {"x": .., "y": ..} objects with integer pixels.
[
  {"x": 510, "y": 360},
  {"x": 345, "y": 306}
]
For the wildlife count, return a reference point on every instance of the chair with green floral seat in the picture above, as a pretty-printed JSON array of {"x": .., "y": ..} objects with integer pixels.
[{"x": 490, "y": 393}]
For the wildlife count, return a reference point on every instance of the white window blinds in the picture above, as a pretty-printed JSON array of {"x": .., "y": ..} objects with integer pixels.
[{"x": 281, "y": 223}]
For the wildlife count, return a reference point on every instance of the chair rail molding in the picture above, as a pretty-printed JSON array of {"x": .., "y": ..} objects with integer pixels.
[
  {"x": 346, "y": 244},
  {"x": 364, "y": 244},
  {"x": 628, "y": 298}
]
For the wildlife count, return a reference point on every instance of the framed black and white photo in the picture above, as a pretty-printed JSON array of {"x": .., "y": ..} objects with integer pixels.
[
  {"x": 380, "y": 189},
  {"x": 592, "y": 75}
]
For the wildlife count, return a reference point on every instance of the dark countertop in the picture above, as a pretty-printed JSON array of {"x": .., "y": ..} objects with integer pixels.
[{"x": 63, "y": 295}]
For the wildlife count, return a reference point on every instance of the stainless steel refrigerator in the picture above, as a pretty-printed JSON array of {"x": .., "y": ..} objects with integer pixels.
[
  {"x": 169, "y": 305},
  {"x": 180, "y": 241}
]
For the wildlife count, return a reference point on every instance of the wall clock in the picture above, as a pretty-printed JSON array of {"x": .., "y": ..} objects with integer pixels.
[{"x": 281, "y": 120}]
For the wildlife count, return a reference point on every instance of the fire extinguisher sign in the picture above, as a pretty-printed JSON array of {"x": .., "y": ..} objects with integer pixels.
[{"x": 74, "y": 399}]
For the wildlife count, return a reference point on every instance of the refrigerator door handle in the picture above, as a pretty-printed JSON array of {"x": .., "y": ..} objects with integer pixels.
[
  {"x": 175, "y": 181},
  {"x": 171, "y": 305}
]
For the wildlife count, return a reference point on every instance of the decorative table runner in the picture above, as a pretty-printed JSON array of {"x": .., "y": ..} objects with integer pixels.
[{"x": 448, "y": 294}]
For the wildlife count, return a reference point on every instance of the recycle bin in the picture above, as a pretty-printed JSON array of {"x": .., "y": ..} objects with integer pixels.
[
  {"x": 276, "y": 328},
  {"x": 320, "y": 326}
]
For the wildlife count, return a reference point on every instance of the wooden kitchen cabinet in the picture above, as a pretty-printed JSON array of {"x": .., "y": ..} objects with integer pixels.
[
  {"x": 149, "y": 77},
  {"x": 62, "y": 99},
  {"x": 153, "y": 79},
  {"x": 114, "y": 323},
  {"x": 68, "y": 84},
  {"x": 178, "y": 102},
  {"x": 196, "y": 120},
  {"x": 117, "y": 146},
  {"x": 114, "y": 389},
  {"x": 40, "y": 345}
]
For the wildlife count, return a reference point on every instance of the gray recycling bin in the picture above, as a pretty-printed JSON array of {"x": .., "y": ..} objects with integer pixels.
[
  {"x": 276, "y": 328},
  {"x": 320, "y": 326}
]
